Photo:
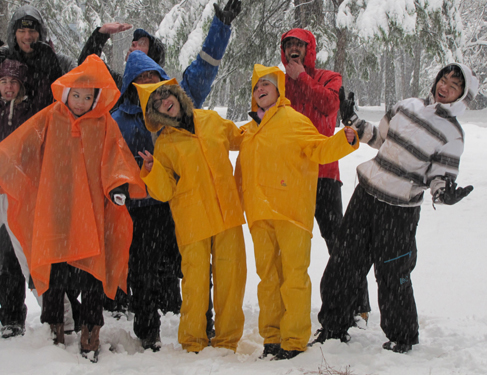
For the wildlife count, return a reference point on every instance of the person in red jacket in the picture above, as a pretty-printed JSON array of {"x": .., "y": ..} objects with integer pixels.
[{"x": 314, "y": 93}]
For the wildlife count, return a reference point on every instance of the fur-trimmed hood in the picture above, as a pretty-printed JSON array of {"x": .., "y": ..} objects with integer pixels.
[{"x": 154, "y": 120}]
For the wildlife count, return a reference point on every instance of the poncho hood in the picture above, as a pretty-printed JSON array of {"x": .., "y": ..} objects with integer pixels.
[{"x": 93, "y": 73}]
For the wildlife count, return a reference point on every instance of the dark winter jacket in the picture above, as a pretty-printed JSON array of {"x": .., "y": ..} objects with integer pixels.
[
  {"x": 314, "y": 94},
  {"x": 44, "y": 65},
  {"x": 20, "y": 113}
]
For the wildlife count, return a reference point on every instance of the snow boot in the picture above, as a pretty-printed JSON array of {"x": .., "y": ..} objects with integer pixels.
[
  {"x": 397, "y": 347},
  {"x": 12, "y": 330},
  {"x": 285, "y": 354},
  {"x": 270, "y": 349},
  {"x": 90, "y": 342},
  {"x": 152, "y": 341},
  {"x": 324, "y": 334},
  {"x": 57, "y": 331}
]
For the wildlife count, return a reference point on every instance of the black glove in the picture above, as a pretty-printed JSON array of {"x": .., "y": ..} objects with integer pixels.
[
  {"x": 120, "y": 194},
  {"x": 451, "y": 194},
  {"x": 347, "y": 112},
  {"x": 228, "y": 14}
]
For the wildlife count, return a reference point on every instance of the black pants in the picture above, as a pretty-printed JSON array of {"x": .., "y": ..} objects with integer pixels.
[
  {"x": 90, "y": 309},
  {"x": 379, "y": 234},
  {"x": 12, "y": 284},
  {"x": 329, "y": 215},
  {"x": 154, "y": 268}
]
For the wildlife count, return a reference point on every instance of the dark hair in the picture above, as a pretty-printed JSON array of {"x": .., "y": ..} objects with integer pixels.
[{"x": 457, "y": 73}]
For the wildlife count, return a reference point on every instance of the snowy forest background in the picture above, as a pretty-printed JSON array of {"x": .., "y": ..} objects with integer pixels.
[{"x": 386, "y": 50}]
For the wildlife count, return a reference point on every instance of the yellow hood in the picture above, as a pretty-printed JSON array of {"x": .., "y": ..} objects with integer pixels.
[
  {"x": 145, "y": 90},
  {"x": 261, "y": 71}
]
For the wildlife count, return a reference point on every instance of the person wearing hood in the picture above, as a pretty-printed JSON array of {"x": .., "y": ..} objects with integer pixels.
[
  {"x": 28, "y": 42},
  {"x": 420, "y": 143},
  {"x": 314, "y": 93},
  {"x": 277, "y": 173},
  {"x": 154, "y": 248},
  {"x": 191, "y": 170},
  {"x": 66, "y": 172},
  {"x": 15, "y": 108}
]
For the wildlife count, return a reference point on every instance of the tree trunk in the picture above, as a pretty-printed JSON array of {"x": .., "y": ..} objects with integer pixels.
[
  {"x": 390, "y": 79},
  {"x": 307, "y": 13},
  {"x": 4, "y": 20},
  {"x": 416, "y": 70}
]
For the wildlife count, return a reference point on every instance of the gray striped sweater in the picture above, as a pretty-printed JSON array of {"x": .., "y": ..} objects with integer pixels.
[{"x": 419, "y": 143}]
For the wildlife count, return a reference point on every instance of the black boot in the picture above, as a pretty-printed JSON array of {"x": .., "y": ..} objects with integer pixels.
[
  {"x": 285, "y": 354},
  {"x": 323, "y": 334},
  {"x": 397, "y": 347},
  {"x": 270, "y": 349}
]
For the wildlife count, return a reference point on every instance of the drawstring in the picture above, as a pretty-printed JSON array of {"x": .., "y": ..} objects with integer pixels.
[{"x": 11, "y": 114}]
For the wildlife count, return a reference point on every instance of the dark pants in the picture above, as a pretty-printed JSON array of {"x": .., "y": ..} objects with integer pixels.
[
  {"x": 90, "y": 309},
  {"x": 12, "y": 284},
  {"x": 154, "y": 268},
  {"x": 329, "y": 215},
  {"x": 379, "y": 234}
]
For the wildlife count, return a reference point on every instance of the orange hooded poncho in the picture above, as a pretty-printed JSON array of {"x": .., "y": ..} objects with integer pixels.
[{"x": 58, "y": 170}]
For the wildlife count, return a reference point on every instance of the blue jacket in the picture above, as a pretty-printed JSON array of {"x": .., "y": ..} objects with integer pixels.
[{"x": 196, "y": 82}]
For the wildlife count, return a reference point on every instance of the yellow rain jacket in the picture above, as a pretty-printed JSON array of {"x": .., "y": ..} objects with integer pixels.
[
  {"x": 58, "y": 171},
  {"x": 197, "y": 176},
  {"x": 277, "y": 167}
]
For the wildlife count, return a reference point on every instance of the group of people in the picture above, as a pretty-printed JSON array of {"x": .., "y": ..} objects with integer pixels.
[{"x": 124, "y": 185}]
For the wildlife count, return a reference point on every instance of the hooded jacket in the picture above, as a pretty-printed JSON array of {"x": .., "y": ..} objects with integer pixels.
[
  {"x": 420, "y": 142},
  {"x": 58, "y": 170},
  {"x": 277, "y": 167},
  {"x": 13, "y": 113},
  {"x": 314, "y": 94},
  {"x": 42, "y": 70},
  {"x": 192, "y": 171}
]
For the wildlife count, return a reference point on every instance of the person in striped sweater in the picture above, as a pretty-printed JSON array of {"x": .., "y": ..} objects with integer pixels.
[{"x": 420, "y": 143}]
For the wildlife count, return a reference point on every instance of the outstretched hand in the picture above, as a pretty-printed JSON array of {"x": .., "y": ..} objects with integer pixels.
[
  {"x": 350, "y": 135},
  {"x": 452, "y": 194},
  {"x": 114, "y": 27},
  {"x": 148, "y": 160},
  {"x": 346, "y": 106},
  {"x": 231, "y": 10}
]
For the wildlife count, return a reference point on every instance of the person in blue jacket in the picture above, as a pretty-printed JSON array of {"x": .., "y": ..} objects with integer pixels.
[{"x": 154, "y": 265}]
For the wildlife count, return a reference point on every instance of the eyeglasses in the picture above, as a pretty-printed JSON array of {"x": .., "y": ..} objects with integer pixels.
[
  {"x": 145, "y": 76},
  {"x": 294, "y": 42},
  {"x": 161, "y": 96}
]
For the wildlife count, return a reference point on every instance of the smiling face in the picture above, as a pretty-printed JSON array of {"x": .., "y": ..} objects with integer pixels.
[
  {"x": 80, "y": 100},
  {"x": 25, "y": 37},
  {"x": 294, "y": 50},
  {"x": 448, "y": 89},
  {"x": 142, "y": 44},
  {"x": 9, "y": 88},
  {"x": 167, "y": 104},
  {"x": 265, "y": 94}
]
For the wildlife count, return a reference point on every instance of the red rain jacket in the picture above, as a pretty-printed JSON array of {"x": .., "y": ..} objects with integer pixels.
[{"x": 315, "y": 94}]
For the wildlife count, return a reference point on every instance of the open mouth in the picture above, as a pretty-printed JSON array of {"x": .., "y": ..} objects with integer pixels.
[
  {"x": 441, "y": 96},
  {"x": 294, "y": 55},
  {"x": 170, "y": 106},
  {"x": 262, "y": 95}
]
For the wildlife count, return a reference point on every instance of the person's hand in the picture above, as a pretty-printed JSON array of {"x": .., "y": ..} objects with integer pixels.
[
  {"x": 350, "y": 135},
  {"x": 228, "y": 14},
  {"x": 148, "y": 160},
  {"x": 294, "y": 69},
  {"x": 114, "y": 28},
  {"x": 450, "y": 194},
  {"x": 120, "y": 194},
  {"x": 347, "y": 112}
]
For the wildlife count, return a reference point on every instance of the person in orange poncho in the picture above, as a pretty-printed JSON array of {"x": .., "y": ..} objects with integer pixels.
[{"x": 65, "y": 172}]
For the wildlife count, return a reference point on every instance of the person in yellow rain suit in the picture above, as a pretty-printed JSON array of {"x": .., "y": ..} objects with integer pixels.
[
  {"x": 191, "y": 170},
  {"x": 277, "y": 173}
]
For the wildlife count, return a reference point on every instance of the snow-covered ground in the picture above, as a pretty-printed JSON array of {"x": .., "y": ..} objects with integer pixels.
[{"x": 450, "y": 287}]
